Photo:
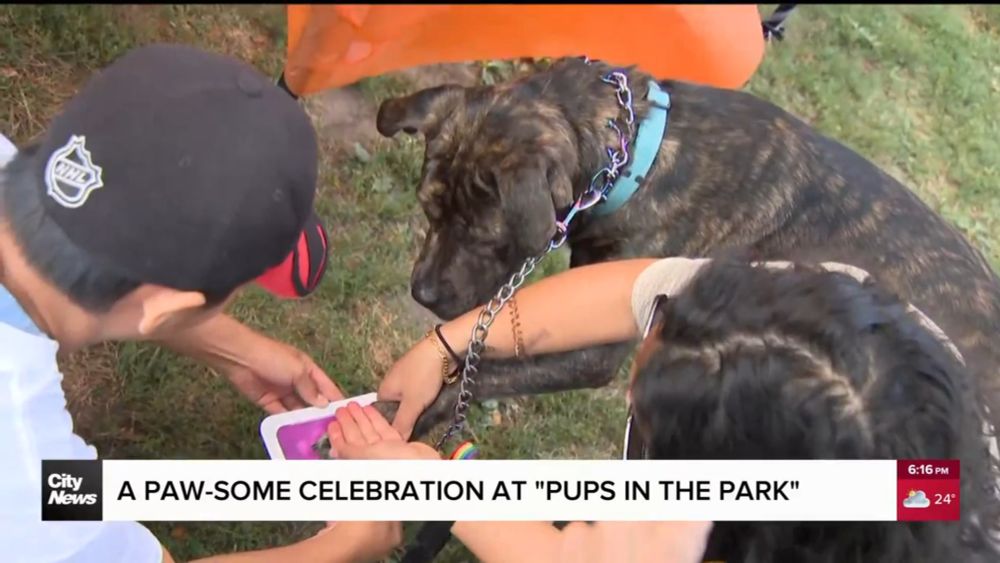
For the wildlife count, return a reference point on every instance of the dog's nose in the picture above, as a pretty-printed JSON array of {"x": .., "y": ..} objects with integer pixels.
[{"x": 426, "y": 294}]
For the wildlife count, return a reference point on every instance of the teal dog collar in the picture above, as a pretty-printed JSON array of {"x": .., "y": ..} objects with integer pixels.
[{"x": 647, "y": 145}]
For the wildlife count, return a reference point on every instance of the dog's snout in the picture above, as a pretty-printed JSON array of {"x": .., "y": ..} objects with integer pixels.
[
  {"x": 425, "y": 293},
  {"x": 437, "y": 296}
]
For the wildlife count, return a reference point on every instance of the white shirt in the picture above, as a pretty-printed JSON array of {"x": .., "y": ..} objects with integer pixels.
[{"x": 35, "y": 425}]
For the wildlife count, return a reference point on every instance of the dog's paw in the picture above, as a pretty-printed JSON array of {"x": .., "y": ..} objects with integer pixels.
[
  {"x": 440, "y": 411},
  {"x": 387, "y": 409}
]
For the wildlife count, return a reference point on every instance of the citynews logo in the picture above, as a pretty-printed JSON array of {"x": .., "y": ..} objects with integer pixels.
[{"x": 71, "y": 489}]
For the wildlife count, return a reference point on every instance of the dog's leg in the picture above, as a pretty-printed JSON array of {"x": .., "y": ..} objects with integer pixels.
[{"x": 589, "y": 368}]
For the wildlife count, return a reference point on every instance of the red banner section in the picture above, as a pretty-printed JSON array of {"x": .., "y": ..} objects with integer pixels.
[{"x": 928, "y": 489}]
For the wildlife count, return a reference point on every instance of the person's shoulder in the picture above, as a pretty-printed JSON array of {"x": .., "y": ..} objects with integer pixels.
[
  {"x": 22, "y": 351},
  {"x": 33, "y": 390},
  {"x": 82, "y": 542},
  {"x": 667, "y": 276},
  {"x": 37, "y": 418},
  {"x": 677, "y": 270},
  {"x": 36, "y": 402}
]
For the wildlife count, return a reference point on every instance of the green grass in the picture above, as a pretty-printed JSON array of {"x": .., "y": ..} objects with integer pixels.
[{"x": 916, "y": 89}]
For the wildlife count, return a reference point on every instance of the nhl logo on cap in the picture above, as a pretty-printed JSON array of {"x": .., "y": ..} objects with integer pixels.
[{"x": 70, "y": 175}]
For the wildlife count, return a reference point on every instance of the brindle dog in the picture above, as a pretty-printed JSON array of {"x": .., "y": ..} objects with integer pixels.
[{"x": 733, "y": 172}]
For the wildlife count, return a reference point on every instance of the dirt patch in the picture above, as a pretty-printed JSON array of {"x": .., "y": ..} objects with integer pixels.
[
  {"x": 345, "y": 116},
  {"x": 145, "y": 22},
  {"x": 982, "y": 19},
  {"x": 410, "y": 311}
]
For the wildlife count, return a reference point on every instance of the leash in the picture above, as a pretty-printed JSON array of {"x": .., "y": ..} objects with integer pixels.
[
  {"x": 774, "y": 26},
  {"x": 433, "y": 536}
]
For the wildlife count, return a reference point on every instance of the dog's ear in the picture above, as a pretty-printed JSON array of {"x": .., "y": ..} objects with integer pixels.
[
  {"x": 412, "y": 114},
  {"x": 532, "y": 196}
]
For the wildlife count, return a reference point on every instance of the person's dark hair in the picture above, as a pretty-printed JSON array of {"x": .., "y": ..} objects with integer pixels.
[
  {"x": 87, "y": 281},
  {"x": 759, "y": 363}
]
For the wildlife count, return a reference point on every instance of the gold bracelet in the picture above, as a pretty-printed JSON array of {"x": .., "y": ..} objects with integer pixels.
[
  {"x": 446, "y": 373},
  {"x": 515, "y": 326}
]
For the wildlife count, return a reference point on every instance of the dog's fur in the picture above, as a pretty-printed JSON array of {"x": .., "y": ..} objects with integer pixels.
[{"x": 733, "y": 172}]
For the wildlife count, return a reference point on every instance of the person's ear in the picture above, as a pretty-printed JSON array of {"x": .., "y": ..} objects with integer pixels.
[{"x": 164, "y": 304}]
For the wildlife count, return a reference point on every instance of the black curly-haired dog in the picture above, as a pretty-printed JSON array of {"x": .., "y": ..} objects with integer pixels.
[
  {"x": 733, "y": 171},
  {"x": 802, "y": 363}
]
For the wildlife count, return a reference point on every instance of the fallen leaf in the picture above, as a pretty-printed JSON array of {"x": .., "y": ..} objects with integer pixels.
[
  {"x": 179, "y": 533},
  {"x": 361, "y": 153},
  {"x": 382, "y": 184}
]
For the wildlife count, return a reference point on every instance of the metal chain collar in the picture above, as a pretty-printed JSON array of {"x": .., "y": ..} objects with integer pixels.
[{"x": 598, "y": 190}]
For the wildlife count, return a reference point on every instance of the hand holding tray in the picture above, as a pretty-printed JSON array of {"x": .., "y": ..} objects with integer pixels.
[{"x": 294, "y": 434}]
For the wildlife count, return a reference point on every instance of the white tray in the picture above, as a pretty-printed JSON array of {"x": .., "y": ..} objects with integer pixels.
[{"x": 270, "y": 426}]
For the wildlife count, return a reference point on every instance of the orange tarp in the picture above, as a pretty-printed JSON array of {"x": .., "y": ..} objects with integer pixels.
[{"x": 334, "y": 45}]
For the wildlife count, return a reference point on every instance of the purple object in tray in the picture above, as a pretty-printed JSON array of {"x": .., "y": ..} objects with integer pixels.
[{"x": 297, "y": 440}]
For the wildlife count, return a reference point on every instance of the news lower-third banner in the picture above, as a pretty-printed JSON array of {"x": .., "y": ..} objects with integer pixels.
[{"x": 558, "y": 490}]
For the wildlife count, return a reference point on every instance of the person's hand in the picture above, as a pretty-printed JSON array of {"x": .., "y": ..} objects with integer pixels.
[
  {"x": 362, "y": 433},
  {"x": 278, "y": 377},
  {"x": 273, "y": 375},
  {"x": 415, "y": 381},
  {"x": 362, "y": 542}
]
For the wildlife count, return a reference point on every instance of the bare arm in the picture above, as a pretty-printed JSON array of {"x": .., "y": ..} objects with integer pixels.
[
  {"x": 274, "y": 375},
  {"x": 307, "y": 550},
  {"x": 628, "y": 542},
  {"x": 220, "y": 338},
  {"x": 346, "y": 542},
  {"x": 581, "y": 307},
  {"x": 491, "y": 542}
]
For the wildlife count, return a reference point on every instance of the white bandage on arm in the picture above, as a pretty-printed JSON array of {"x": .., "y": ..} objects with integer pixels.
[
  {"x": 664, "y": 277},
  {"x": 671, "y": 275}
]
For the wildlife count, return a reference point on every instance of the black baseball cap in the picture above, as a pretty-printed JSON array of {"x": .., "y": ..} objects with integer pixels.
[{"x": 190, "y": 170}]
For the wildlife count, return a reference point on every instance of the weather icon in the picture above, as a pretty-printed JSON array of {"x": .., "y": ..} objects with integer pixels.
[{"x": 916, "y": 499}]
